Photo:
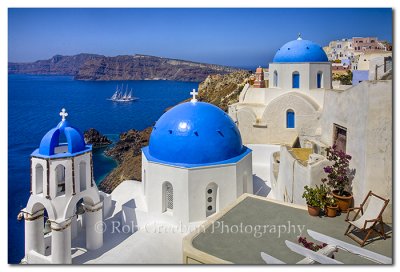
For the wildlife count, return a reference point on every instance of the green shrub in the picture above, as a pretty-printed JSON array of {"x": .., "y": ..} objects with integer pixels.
[{"x": 315, "y": 197}]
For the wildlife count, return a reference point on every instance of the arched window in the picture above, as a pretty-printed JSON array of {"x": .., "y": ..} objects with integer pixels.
[
  {"x": 212, "y": 204},
  {"x": 168, "y": 197},
  {"x": 275, "y": 79},
  {"x": 295, "y": 80},
  {"x": 82, "y": 176},
  {"x": 290, "y": 119},
  {"x": 319, "y": 79},
  {"x": 60, "y": 179},
  {"x": 38, "y": 179}
]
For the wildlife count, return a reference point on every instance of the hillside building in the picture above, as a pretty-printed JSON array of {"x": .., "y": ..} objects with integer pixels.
[{"x": 302, "y": 114}]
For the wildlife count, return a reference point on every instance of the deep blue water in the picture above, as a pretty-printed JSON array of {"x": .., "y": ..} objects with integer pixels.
[{"x": 34, "y": 103}]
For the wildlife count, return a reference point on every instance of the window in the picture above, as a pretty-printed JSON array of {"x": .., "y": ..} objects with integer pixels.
[
  {"x": 275, "y": 79},
  {"x": 211, "y": 199},
  {"x": 38, "y": 179},
  {"x": 295, "y": 80},
  {"x": 290, "y": 119},
  {"x": 82, "y": 176},
  {"x": 60, "y": 179},
  {"x": 339, "y": 137},
  {"x": 168, "y": 197},
  {"x": 319, "y": 80}
]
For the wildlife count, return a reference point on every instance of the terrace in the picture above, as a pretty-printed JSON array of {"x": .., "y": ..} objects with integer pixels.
[{"x": 253, "y": 224}]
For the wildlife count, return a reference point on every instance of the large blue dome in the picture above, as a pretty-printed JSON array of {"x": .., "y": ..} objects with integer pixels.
[
  {"x": 195, "y": 133},
  {"x": 300, "y": 51}
]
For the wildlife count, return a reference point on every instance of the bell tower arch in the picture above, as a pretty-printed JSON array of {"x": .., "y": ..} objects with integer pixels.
[{"x": 64, "y": 197}]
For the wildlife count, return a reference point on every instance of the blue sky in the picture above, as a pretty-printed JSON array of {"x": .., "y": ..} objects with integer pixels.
[{"x": 236, "y": 37}]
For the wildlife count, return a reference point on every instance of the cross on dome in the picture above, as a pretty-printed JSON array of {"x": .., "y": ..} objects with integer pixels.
[
  {"x": 299, "y": 36},
  {"x": 63, "y": 114},
  {"x": 194, "y": 93}
]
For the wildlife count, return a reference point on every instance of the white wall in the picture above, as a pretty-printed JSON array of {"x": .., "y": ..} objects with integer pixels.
[
  {"x": 190, "y": 185},
  {"x": 61, "y": 202},
  {"x": 308, "y": 75},
  {"x": 270, "y": 127},
  {"x": 293, "y": 176},
  {"x": 223, "y": 176},
  {"x": 366, "y": 111},
  {"x": 156, "y": 175}
]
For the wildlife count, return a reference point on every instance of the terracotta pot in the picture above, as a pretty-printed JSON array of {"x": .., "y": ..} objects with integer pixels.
[
  {"x": 314, "y": 211},
  {"x": 344, "y": 202},
  {"x": 331, "y": 211}
]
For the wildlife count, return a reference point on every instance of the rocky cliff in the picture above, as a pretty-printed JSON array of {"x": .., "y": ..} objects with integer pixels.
[
  {"x": 220, "y": 90},
  {"x": 130, "y": 67},
  {"x": 57, "y": 65},
  {"x": 140, "y": 67},
  {"x": 127, "y": 151},
  {"x": 95, "y": 138},
  {"x": 223, "y": 90}
]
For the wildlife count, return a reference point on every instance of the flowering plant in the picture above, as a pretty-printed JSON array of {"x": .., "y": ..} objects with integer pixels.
[
  {"x": 338, "y": 173},
  {"x": 310, "y": 245},
  {"x": 331, "y": 201}
]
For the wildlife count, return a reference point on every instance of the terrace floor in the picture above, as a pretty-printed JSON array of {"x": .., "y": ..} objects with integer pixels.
[{"x": 232, "y": 235}]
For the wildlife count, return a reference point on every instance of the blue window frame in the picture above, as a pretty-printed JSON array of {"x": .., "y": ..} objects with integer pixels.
[
  {"x": 295, "y": 80},
  {"x": 290, "y": 118}
]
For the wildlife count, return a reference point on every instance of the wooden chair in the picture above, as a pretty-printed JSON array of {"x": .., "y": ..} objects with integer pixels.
[{"x": 371, "y": 215}]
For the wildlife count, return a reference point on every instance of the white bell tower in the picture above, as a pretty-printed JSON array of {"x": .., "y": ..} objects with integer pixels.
[{"x": 64, "y": 197}]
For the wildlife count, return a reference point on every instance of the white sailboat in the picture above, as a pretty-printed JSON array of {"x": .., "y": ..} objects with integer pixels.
[{"x": 119, "y": 96}]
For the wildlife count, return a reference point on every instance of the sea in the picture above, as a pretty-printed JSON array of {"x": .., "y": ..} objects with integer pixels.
[{"x": 34, "y": 103}]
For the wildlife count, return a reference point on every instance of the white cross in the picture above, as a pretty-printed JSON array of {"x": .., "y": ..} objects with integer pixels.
[
  {"x": 63, "y": 114},
  {"x": 194, "y": 93}
]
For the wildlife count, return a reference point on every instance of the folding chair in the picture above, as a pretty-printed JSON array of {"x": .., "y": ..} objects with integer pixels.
[{"x": 371, "y": 215}]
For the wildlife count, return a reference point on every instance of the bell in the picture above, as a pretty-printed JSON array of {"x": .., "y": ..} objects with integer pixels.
[
  {"x": 80, "y": 210},
  {"x": 47, "y": 227}
]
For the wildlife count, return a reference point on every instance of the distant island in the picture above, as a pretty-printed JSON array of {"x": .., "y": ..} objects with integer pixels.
[{"x": 127, "y": 67}]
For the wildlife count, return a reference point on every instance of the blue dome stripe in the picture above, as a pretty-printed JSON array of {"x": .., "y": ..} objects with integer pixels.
[
  {"x": 49, "y": 142},
  {"x": 195, "y": 133},
  {"x": 300, "y": 51},
  {"x": 75, "y": 140},
  {"x": 63, "y": 124}
]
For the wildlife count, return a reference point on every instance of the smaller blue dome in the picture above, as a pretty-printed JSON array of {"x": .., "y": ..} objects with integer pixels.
[
  {"x": 194, "y": 133},
  {"x": 51, "y": 141},
  {"x": 300, "y": 51}
]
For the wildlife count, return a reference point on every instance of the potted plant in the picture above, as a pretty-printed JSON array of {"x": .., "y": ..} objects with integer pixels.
[
  {"x": 315, "y": 198},
  {"x": 338, "y": 178},
  {"x": 331, "y": 206}
]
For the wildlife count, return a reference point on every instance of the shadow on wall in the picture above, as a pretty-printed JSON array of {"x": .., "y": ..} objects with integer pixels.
[{"x": 259, "y": 186}]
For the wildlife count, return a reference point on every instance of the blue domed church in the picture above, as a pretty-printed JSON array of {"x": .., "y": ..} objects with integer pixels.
[
  {"x": 290, "y": 106},
  {"x": 300, "y": 65},
  {"x": 195, "y": 163}
]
